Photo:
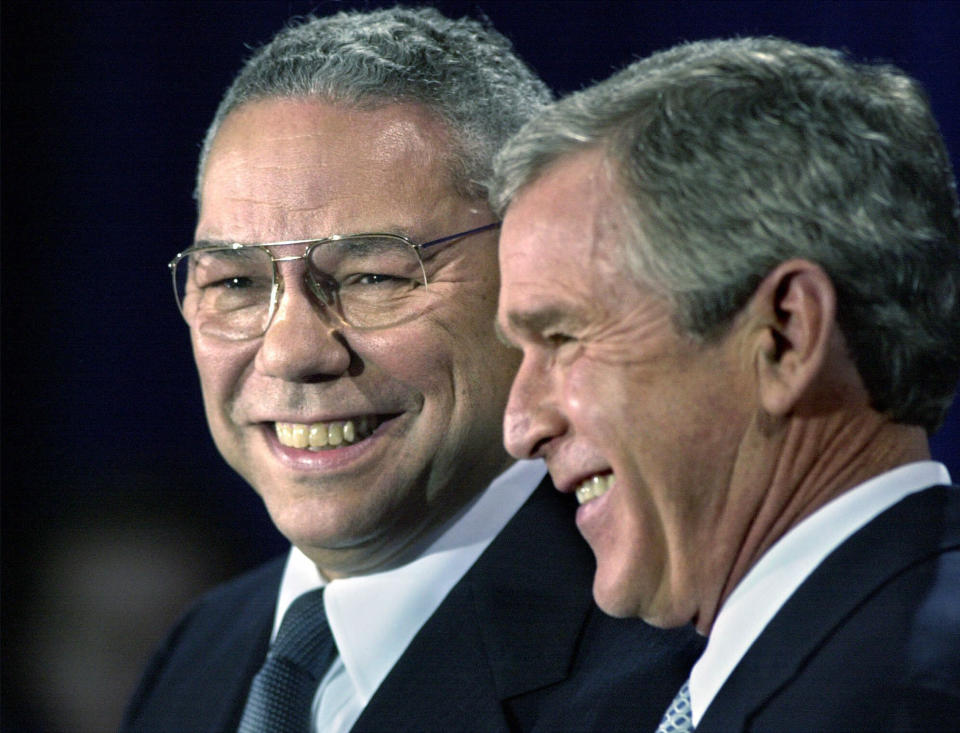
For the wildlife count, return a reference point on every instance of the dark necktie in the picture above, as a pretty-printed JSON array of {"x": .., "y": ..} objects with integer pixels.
[{"x": 282, "y": 691}]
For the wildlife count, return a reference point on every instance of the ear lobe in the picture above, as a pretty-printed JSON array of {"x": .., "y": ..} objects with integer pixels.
[{"x": 795, "y": 306}]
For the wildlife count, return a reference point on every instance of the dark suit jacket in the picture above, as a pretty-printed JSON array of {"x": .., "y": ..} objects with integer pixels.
[
  {"x": 517, "y": 645},
  {"x": 869, "y": 642}
]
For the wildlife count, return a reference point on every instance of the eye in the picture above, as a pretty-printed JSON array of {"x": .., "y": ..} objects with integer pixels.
[
  {"x": 371, "y": 278},
  {"x": 232, "y": 283},
  {"x": 368, "y": 262},
  {"x": 235, "y": 284},
  {"x": 557, "y": 339},
  {"x": 232, "y": 270}
]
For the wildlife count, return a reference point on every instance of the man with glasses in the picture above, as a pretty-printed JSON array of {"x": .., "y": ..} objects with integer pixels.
[{"x": 340, "y": 295}]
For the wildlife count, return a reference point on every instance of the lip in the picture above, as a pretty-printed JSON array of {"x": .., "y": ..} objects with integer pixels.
[
  {"x": 271, "y": 418},
  {"x": 330, "y": 460},
  {"x": 588, "y": 516},
  {"x": 568, "y": 484}
]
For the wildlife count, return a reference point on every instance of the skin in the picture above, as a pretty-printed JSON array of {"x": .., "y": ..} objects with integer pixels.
[
  {"x": 286, "y": 169},
  {"x": 716, "y": 448}
]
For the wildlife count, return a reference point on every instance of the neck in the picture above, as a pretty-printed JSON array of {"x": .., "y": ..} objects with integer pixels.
[
  {"x": 813, "y": 460},
  {"x": 412, "y": 535}
]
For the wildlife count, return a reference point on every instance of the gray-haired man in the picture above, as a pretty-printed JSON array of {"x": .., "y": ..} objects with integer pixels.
[
  {"x": 339, "y": 295},
  {"x": 734, "y": 273}
]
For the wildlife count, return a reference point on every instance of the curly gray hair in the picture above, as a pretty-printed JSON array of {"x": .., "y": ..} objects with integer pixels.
[
  {"x": 736, "y": 155},
  {"x": 463, "y": 70}
]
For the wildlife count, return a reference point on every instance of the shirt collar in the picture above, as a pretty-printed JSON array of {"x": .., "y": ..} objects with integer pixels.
[
  {"x": 784, "y": 567},
  {"x": 372, "y": 634}
]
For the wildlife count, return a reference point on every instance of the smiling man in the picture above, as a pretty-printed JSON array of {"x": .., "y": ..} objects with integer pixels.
[
  {"x": 312, "y": 422},
  {"x": 339, "y": 295},
  {"x": 733, "y": 272}
]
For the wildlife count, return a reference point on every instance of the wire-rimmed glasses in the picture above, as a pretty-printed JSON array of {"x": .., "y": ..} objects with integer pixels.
[{"x": 231, "y": 291}]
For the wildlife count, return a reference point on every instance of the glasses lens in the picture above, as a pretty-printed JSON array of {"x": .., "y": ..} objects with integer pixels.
[
  {"x": 225, "y": 292},
  {"x": 379, "y": 280}
]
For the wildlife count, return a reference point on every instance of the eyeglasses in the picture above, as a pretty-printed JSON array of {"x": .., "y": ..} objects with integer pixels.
[{"x": 231, "y": 291}]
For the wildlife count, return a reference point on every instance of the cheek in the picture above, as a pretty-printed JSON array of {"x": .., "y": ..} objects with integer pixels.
[
  {"x": 465, "y": 344},
  {"x": 221, "y": 367},
  {"x": 413, "y": 356},
  {"x": 598, "y": 397},
  {"x": 483, "y": 373},
  {"x": 419, "y": 361}
]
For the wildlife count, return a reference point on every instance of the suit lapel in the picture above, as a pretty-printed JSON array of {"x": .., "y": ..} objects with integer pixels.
[
  {"x": 510, "y": 626},
  {"x": 237, "y": 660},
  {"x": 238, "y": 641},
  {"x": 532, "y": 592},
  {"x": 199, "y": 680},
  {"x": 899, "y": 537}
]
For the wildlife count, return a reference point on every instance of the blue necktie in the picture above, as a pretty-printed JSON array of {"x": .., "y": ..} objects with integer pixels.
[
  {"x": 282, "y": 691},
  {"x": 679, "y": 716}
]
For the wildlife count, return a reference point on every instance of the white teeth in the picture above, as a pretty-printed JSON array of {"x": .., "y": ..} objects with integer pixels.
[
  {"x": 594, "y": 487},
  {"x": 320, "y": 435}
]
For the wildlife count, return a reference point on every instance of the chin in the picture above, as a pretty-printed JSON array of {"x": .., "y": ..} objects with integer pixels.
[
  {"x": 623, "y": 594},
  {"x": 312, "y": 521},
  {"x": 613, "y": 598}
]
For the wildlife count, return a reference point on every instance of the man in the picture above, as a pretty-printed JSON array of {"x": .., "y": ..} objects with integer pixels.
[
  {"x": 733, "y": 270},
  {"x": 339, "y": 296}
]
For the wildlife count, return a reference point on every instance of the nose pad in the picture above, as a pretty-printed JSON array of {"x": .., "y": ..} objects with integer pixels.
[
  {"x": 323, "y": 286},
  {"x": 326, "y": 290}
]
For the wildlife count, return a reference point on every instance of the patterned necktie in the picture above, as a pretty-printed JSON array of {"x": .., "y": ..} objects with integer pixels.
[
  {"x": 679, "y": 717},
  {"x": 282, "y": 692}
]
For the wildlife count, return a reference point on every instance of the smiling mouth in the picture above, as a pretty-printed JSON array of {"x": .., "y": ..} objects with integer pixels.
[
  {"x": 593, "y": 488},
  {"x": 320, "y": 436}
]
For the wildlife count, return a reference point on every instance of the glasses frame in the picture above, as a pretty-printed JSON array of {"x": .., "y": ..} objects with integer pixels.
[{"x": 323, "y": 294}]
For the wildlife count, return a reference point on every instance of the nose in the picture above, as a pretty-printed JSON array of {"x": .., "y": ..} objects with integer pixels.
[
  {"x": 303, "y": 342},
  {"x": 532, "y": 420}
]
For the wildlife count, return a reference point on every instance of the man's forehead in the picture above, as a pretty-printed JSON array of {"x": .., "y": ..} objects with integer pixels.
[
  {"x": 284, "y": 164},
  {"x": 303, "y": 136},
  {"x": 570, "y": 216}
]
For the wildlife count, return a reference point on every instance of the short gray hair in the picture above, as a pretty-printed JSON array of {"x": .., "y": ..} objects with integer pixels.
[
  {"x": 734, "y": 156},
  {"x": 463, "y": 70}
]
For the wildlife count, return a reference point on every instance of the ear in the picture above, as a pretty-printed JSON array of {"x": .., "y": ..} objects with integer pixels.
[{"x": 795, "y": 308}]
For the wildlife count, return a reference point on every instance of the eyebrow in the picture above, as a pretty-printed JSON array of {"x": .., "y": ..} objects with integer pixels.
[
  {"x": 538, "y": 319},
  {"x": 534, "y": 321},
  {"x": 394, "y": 230},
  {"x": 214, "y": 243}
]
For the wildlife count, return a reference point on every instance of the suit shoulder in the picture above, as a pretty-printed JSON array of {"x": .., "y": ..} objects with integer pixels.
[
  {"x": 873, "y": 634},
  {"x": 208, "y": 655},
  {"x": 260, "y": 581},
  {"x": 250, "y": 595}
]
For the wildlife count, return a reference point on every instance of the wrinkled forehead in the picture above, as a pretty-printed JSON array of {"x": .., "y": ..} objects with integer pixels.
[
  {"x": 280, "y": 165},
  {"x": 572, "y": 212}
]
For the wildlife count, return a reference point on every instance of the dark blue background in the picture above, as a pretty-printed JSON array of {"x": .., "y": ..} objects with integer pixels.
[{"x": 104, "y": 107}]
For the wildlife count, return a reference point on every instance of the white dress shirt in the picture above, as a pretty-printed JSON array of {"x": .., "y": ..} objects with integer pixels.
[
  {"x": 781, "y": 570},
  {"x": 374, "y": 617}
]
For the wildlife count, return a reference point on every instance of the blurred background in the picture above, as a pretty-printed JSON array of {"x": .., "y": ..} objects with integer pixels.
[{"x": 117, "y": 509}]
